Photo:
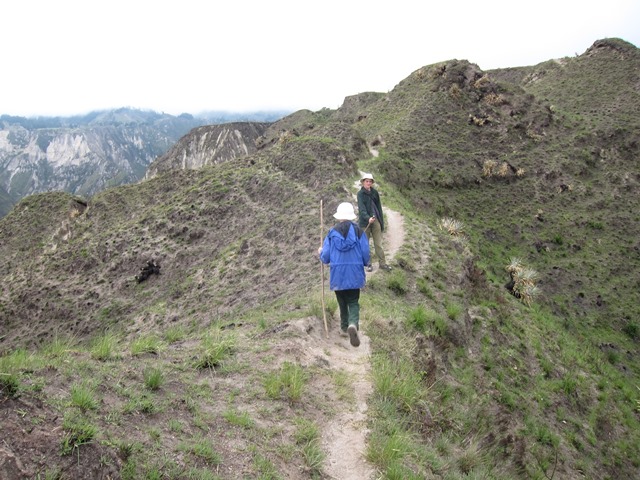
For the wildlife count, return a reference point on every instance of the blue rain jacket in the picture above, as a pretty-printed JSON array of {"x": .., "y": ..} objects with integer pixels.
[{"x": 346, "y": 250}]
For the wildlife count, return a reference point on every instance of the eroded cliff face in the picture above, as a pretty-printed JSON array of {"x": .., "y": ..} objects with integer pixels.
[
  {"x": 81, "y": 159},
  {"x": 209, "y": 145}
]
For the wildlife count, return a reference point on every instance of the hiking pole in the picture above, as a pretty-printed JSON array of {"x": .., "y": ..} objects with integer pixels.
[{"x": 324, "y": 312}]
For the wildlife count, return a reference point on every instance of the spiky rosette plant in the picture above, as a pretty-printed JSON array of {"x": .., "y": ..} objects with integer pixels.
[
  {"x": 523, "y": 281},
  {"x": 453, "y": 227},
  {"x": 526, "y": 276},
  {"x": 515, "y": 265},
  {"x": 488, "y": 167}
]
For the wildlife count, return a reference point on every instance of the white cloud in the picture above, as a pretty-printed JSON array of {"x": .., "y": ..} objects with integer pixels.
[{"x": 72, "y": 56}]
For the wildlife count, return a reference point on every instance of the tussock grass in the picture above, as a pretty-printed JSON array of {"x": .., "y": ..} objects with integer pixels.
[
  {"x": 202, "y": 449},
  {"x": 418, "y": 318},
  {"x": 288, "y": 382},
  {"x": 343, "y": 384},
  {"x": 308, "y": 440},
  {"x": 12, "y": 368},
  {"x": 215, "y": 347},
  {"x": 396, "y": 381},
  {"x": 238, "y": 418},
  {"x": 153, "y": 378},
  {"x": 104, "y": 347},
  {"x": 78, "y": 431},
  {"x": 396, "y": 281},
  {"x": 83, "y": 396},
  {"x": 60, "y": 347},
  {"x": 174, "y": 334},
  {"x": 146, "y": 344}
]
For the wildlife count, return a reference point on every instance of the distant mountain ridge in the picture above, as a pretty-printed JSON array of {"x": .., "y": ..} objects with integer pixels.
[{"x": 85, "y": 154}]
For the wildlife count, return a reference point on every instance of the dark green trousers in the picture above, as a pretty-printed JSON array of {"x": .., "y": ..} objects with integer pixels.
[{"x": 348, "y": 301}]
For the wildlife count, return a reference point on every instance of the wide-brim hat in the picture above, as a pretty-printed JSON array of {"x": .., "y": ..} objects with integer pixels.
[
  {"x": 367, "y": 176},
  {"x": 345, "y": 212}
]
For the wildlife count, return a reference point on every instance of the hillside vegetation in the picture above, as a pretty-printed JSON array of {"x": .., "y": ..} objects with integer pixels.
[{"x": 504, "y": 342}]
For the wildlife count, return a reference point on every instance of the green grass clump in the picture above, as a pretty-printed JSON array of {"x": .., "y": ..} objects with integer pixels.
[
  {"x": 145, "y": 344},
  {"x": 308, "y": 440},
  {"x": 78, "y": 431},
  {"x": 214, "y": 348},
  {"x": 9, "y": 383},
  {"x": 153, "y": 378},
  {"x": 12, "y": 367},
  {"x": 397, "y": 282},
  {"x": 104, "y": 347},
  {"x": 289, "y": 381},
  {"x": 83, "y": 396},
  {"x": 174, "y": 334},
  {"x": 418, "y": 318},
  {"x": 453, "y": 310},
  {"x": 202, "y": 449},
  {"x": 397, "y": 382},
  {"x": 241, "y": 419},
  {"x": 60, "y": 347}
]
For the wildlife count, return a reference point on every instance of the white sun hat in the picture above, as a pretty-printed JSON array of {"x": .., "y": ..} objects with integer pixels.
[
  {"x": 345, "y": 212},
  {"x": 366, "y": 176}
]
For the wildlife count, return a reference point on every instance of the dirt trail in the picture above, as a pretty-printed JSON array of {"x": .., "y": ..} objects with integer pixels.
[{"x": 344, "y": 438}]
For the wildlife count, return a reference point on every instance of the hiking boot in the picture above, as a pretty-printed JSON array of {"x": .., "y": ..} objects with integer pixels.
[
  {"x": 386, "y": 268},
  {"x": 343, "y": 333},
  {"x": 353, "y": 336},
  {"x": 369, "y": 268}
]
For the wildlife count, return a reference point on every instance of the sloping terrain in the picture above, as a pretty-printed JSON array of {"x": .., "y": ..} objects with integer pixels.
[
  {"x": 85, "y": 154},
  {"x": 174, "y": 328},
  {"x": 209, "y": 145},
  {"x": 543, "y": 169},
  {"x": 82, "y": 154}
]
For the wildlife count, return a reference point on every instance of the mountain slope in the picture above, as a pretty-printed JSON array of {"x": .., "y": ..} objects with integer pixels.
[
  {"x": 217, "y": 362},
  {"x": 85, "y": 154},
  {"x": 550, "y": 184},
  {"x": 209, "y": 145}
]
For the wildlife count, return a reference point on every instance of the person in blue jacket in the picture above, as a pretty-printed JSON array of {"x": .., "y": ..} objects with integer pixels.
[{"x": 346, "y": 250}]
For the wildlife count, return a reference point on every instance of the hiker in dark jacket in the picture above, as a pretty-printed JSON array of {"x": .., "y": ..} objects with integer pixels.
[
  {"x": 370, "y": 215},
  {"x": 346, "y": 250}
]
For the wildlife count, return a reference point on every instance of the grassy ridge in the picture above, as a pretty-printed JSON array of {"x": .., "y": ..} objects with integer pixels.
[{"x": 211, "y": 369}]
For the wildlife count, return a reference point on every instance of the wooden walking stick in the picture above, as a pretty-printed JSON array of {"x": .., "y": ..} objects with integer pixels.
[{"x": 324, "y": 311}]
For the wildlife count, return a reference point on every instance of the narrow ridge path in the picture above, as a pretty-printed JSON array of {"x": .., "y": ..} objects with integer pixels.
[{"x": 344, "y": 439}]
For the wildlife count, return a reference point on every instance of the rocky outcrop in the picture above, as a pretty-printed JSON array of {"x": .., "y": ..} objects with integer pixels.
[
  {"x": 210, "y": 145},
  {"x": 82, "y": 156}
]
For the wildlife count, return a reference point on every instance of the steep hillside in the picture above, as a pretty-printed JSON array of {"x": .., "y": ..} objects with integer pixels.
[
  {"x": 85, "y": 154},
  {"x": 174, "y": 328},
  {"x": 543, "y": 169},
  {"x": 217, "y": 234},
  {"x": 6, "y": 202},
  {"x": 209, "y": 145}
]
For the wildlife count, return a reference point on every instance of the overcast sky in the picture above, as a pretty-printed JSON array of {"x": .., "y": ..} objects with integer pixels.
[{"x": 68, "y": 57}]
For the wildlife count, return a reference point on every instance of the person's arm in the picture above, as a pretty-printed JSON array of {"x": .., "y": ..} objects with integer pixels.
[{"x": 325, "y": 250}]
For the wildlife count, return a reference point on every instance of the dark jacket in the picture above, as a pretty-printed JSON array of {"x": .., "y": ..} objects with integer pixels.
[
  {"x": 369, "y": 206},
  {"x": 346, "y": 248}
]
